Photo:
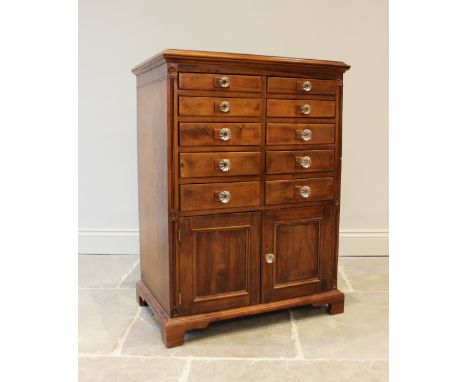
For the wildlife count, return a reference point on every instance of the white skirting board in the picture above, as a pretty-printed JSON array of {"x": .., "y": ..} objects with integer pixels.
[{"x": 113, "y": 242}]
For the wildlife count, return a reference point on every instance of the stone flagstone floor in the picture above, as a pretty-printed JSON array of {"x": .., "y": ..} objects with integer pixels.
[{"x": 119, "y": 342}]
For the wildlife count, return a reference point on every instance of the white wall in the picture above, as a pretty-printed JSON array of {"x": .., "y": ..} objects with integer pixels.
[{"x": 115, "y": 35}]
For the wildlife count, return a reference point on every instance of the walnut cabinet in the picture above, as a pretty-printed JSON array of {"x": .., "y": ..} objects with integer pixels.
[{"x": 239, "y": 162}]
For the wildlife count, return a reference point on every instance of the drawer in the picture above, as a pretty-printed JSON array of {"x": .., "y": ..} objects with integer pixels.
[
  {"x": 304, "y": 108},
  {"x": 226, "y": 82},
  {"x": 298, "y": 190},
  {"x": 211, "y": 106},
  {"x": 300, "y": 133},
  {"x": 281, "y": 162},
  {"x": 199, "y": 134},
  {"x": 219, "y": 195},
  {"x": 300, "y": 86},
  {"x": 219, "y": 164}
]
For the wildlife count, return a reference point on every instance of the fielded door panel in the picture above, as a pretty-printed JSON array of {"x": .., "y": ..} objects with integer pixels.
[
  {"x": 297, "y": 252},
  {"x": 219, "y": 262}
]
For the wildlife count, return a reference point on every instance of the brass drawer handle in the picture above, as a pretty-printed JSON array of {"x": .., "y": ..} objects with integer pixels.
[
  {"x": 306, "y": 135},
  {"x": 225, "y": 134},
  {"x": 306, "y": 86},
  {"x": 305, "y": 191},
  {"x": 224, "y": 165},
  {"x": 269, "y": 258},
  {"x": 305, "y": 109},
  {"x": 224, "y": 82},
  {"x": 224, "y": 107},
  {"x": 305, "y": 162},
  {"x": 224, "y": 197}
]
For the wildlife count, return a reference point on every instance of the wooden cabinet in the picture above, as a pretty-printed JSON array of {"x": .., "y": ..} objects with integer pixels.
[{"x": 239, "y": 165}]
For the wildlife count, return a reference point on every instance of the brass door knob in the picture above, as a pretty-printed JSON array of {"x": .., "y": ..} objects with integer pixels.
[
  {"x": 224, "y": 107},
  {"x": 225, "y": 134},
  {"x": 305, "y": 191},
  {"x": 224, "y": 165},
  {"x": 306, "y": 135},
  {"x": 306, "y": 86},
  {"x": 224, "y": 197},
  {"x": 305, "y": 162},
  {"x": 269, "y": 258},
  {"x": 224, "y": 82},
  {"x": 305, "y": 109}
]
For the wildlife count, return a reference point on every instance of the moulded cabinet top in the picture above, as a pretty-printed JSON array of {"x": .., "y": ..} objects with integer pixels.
[{"x": 195, "y": 56}]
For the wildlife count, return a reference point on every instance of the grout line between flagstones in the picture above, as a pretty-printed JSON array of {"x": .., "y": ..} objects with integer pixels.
[
  {"x": 345, "y": 278},
  {"x": 186, "y": 369},
  {"x": 121, "y": 341},
  {"x": 295, "y": 336},
  {"x": 221, "y": 358},
  {"x": 104, "y": 288},
  {"x": 124, "y": 277}
]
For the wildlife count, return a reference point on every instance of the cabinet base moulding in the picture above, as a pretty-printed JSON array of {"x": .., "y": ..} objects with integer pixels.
[{"x": 173, "y": 329}]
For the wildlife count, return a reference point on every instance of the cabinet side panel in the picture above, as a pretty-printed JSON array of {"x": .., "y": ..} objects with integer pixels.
[
  {"x": 153, "y": 188},
  {"x": 338, "y": 161}
]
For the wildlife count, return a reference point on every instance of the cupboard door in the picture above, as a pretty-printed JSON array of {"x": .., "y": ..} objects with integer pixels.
[
  {"x": 297, "y": 252},
  {"x": 219, "y": 262}
]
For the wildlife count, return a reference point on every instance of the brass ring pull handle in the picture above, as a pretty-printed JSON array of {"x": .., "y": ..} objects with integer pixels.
[
  {"x": 305, "y": 109},
  {"x": 305, "y": 162},
  {"x": 306, "y": 135},
  {"x": 224, "y": 107},
  {"x": 224, "y": 165},
  {"x": 305, "y": 191},
  {"x": 269, "y": 258},
  {"x": 306, "y": 86},
  {"x": 225, "y": 134},
  {"x": 224, "y": 197},
  {"x": 224, "y": 82}
]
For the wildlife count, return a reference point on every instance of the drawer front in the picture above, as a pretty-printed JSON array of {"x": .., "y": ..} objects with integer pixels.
[
  {"x": 224, "y": 82},
  {"x": 300, "y": 86},
  {"x": 199, "y": 134},
  {"x": 300, "y": 108},
  {"x": 211, "y": 106},
  {"x": 281, "y": 162},
  {"x": 219, "y": 195},
  {"x": 300, "y": 133},
  {"x": 219, "y": 164},
  {"x": 299, "y": 190}
]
